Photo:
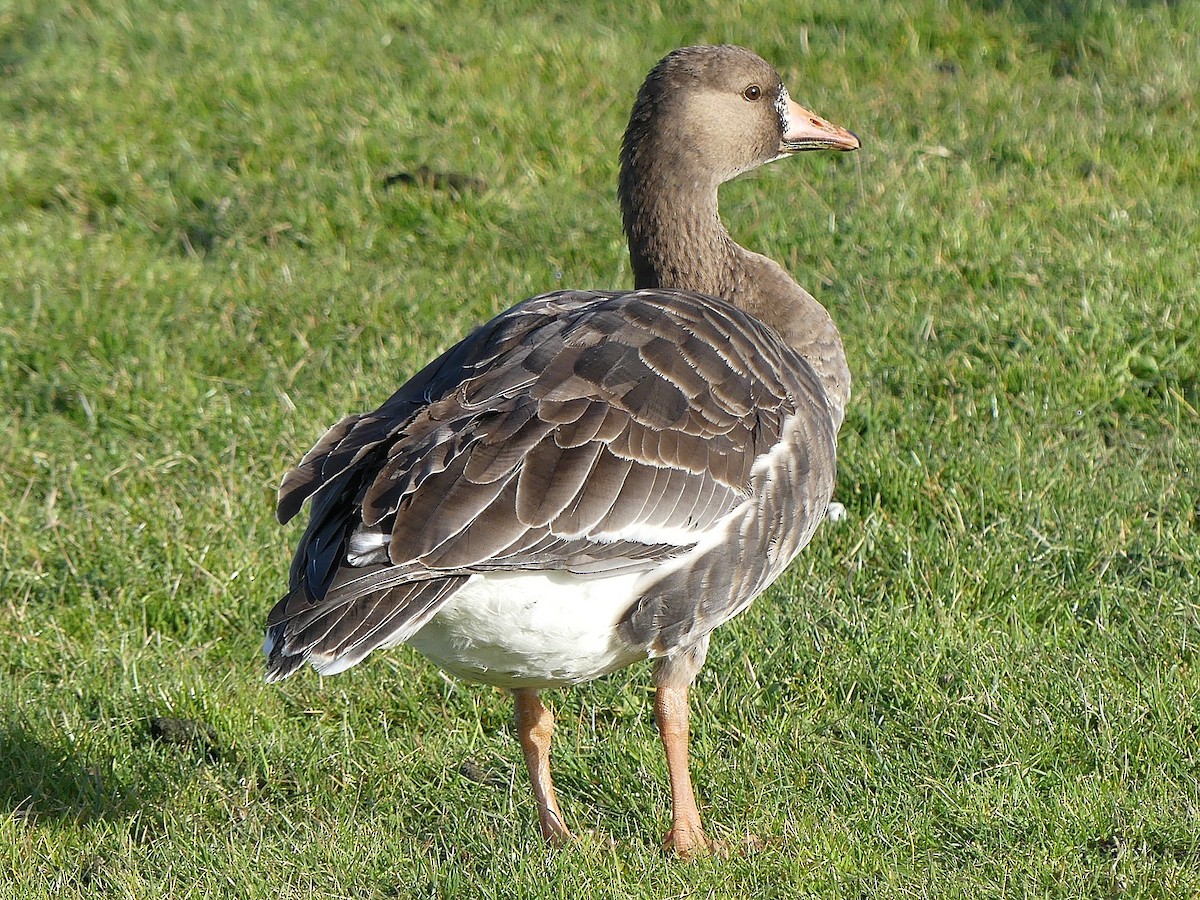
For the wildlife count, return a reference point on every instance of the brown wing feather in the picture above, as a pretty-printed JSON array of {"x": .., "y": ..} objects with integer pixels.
[{"x": 538, "y": 442}]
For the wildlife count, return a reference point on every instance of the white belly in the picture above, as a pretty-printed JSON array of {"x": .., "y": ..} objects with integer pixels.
[{"x": 531, "y": 629}]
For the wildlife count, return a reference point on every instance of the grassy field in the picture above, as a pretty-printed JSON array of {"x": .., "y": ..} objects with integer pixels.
[{"x": 982, "y": 683}]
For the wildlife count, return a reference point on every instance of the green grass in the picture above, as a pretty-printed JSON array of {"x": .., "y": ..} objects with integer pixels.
[{"x": 982, "y": 684}]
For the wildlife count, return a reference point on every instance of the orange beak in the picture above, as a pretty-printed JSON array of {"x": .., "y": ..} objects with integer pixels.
[{"x": 805, "y": 130}]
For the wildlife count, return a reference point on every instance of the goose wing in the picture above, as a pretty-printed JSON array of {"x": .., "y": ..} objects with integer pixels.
[{"x": 579, "y": 431}]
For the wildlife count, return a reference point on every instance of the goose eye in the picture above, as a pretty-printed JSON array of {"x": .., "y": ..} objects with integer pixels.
[{"x": 752, "y": 93}]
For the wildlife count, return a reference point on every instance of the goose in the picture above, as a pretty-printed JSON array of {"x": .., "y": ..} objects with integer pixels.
[{"x": 593, "y": 478}]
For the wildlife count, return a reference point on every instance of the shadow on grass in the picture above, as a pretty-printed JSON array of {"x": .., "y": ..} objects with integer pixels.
[
  {"x": 38, "y": 781},
  {"x": 1077, "y": 31},
  {"x": 1070, "y": 11}
]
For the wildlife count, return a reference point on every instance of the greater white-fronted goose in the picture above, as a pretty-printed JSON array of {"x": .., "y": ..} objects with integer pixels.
[{"x": 593, "y": 477}]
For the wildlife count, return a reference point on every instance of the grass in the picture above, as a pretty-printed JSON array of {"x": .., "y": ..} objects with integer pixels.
[{"x": 982, "y": 684}]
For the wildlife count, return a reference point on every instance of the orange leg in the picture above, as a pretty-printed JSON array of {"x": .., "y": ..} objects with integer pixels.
[
  {"x": 686, "y": 836},
  {"x": 535, "y": 725}
]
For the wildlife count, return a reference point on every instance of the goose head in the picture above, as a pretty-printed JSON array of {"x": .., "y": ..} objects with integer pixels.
[{"x": 707, "y": 114}]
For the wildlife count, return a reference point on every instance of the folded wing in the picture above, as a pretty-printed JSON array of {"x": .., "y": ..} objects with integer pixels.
[{"x": 586, "y": 432}]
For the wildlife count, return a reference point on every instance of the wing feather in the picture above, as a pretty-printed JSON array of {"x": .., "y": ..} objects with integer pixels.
[{"x": 579, "y": 431}]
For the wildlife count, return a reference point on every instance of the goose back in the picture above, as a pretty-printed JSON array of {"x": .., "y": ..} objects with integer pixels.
[{"x": 588, "y": 432}]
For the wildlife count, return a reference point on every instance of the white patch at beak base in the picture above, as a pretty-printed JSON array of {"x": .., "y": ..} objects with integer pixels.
[{"x": 782, "y": 100}]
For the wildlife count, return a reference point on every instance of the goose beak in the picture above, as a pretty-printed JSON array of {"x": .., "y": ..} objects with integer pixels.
[{"x": 803, "y": 129}]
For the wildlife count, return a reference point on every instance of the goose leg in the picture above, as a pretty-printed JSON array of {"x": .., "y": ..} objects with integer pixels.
[
  {"x": 535, "y": 725},
  {"x": 686, "y": 836}
]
